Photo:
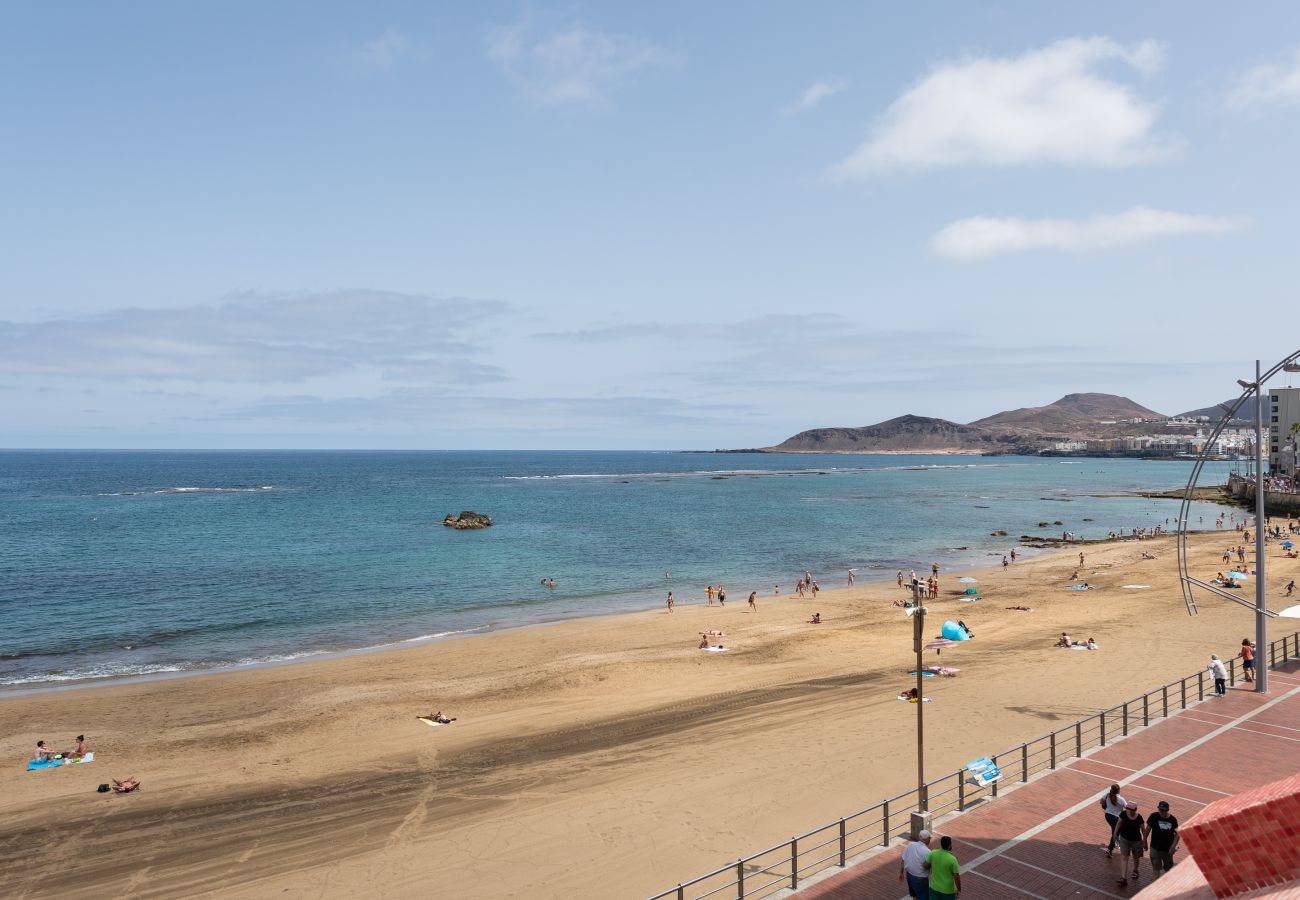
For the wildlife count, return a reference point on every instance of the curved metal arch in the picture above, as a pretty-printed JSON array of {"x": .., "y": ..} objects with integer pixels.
[{"x": 1185, "y": 580}]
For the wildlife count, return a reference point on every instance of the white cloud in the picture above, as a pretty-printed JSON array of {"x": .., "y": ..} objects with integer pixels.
[
  {"x": 1268, "y": 83},
  {"x": 573, "y": 65},
  {"x": 980, "y": 238},
  {"x": 264, "y": 338},
  {"x": 1051, "y": 105},
  {"x": 816, "y": 93},
  {"x": 384, "y": 52}
]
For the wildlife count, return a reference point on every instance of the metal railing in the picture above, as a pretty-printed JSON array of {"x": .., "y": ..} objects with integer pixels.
[{"x": 784, "y": 865}]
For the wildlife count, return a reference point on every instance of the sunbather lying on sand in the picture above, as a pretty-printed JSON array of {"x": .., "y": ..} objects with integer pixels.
[
  {"x": 1146, "y": 555},
  {"x": 441, "y": 719},
  {"x": 1022, "y": 608},
  {"x": 126, "y": 785},
  {"x": 1063, "y": 641}
]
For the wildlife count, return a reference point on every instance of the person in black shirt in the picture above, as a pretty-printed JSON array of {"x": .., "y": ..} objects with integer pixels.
[
  {"x": 1163, "y": 831},
  {"x": 1131, "y": 836}
]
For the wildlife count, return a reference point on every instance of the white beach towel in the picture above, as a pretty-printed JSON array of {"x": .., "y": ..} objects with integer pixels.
[{"x": 1137, "y": 587}]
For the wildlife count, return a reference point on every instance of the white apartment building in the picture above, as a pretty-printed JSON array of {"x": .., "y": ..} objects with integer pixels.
[{"x": 1282, "y": 412}]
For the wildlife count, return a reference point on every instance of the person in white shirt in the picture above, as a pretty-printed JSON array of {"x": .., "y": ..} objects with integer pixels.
[
  {"x": 913, "y": 867},
  {"x": 1219, "y": 674},
  {"x": 1113, "y": 806}
]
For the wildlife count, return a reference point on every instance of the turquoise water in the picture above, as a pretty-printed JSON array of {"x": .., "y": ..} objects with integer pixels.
[{"x": 128, "y": 563}]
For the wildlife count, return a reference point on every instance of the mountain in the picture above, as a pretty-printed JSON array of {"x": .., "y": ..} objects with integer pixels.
[
  {"x": 1216, "y": 412},
  {"x": 1071, "y": 411},
  {"x": 1026, "y": 430},
  {"x": 903, "y": 433}
]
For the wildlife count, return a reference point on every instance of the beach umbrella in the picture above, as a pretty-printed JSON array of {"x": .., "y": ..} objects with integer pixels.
[
  {"x": 1291, "y": 612},
  {"x": 1237, "y": 575},
  {"x": 938, "y": 644},
  {"x": 968, "y": 580},
  {"x": 1287, "y": 544}
]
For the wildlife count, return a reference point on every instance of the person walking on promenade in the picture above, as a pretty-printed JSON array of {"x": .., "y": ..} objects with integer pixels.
[
  {"x": 1112, "y": 804},
  {"x": 913, "y": 867},
  {"x": 1163, "y": 831},
  {"x": 1131, "y": 836},
  {"x": 1247, "y": 655},
  {"x": 945, "y": 874},
  {"x": 1220, "y": 676}
]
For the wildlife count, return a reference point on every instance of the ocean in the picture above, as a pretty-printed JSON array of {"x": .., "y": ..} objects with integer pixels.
[{"x": 119, "y": 564}]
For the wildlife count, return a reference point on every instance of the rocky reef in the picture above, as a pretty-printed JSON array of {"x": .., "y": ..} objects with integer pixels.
[{"x": 467, "y": 519}]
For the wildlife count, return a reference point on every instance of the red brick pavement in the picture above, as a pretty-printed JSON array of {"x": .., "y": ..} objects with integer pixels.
[{"x": 1033, "y": 842}]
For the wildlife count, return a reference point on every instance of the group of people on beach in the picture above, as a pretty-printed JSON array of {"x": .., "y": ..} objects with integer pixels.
[
  {"x": 80, "y": 751},
  {"x": 45, "y": 754}
]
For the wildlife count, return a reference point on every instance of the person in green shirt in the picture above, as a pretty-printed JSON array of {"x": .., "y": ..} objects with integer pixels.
[{"x": 945, "y": 874}]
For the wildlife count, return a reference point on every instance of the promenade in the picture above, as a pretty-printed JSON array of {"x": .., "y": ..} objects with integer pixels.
[{"x": 1046, "y": 838}]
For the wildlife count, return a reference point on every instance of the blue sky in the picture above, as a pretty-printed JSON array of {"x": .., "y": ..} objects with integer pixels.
[{"x": 669, "y": 225}]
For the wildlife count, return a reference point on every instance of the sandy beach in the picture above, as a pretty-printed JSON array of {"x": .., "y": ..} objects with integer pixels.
[{"x": 603, "y": 757}]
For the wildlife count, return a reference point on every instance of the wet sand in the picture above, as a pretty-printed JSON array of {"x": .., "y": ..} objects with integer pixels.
[{"x": 604, "y": 757}]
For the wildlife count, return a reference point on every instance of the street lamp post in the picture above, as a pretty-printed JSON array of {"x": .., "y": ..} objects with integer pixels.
[
  {"x": 1261, "y": 599},
  {"x": 920, "y": 818},
  {"x": 918, "y": 638}
]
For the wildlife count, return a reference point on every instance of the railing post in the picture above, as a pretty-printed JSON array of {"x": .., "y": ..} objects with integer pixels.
[
  {"x": 1164, "y": 694},
  {"x": 1125, "y": 718},
  {"x": 1024, "y": 763},
  {"x": 681, "y": 892},
  {"x": 1103, "y": 728},
  {"x": 1146, "y": 710},
  {"x": 794, "y": 864},
  {"x": 1078, "y": 738},
  {"x": 995, "y": 784},
  {"x": 1272, "y": 655},
  {"x": 961, "y": 793},
  {"x": 1232, "y": 672},
  {"x": 1200, "y": 685},
  {"x": 1182, "y": 687},
  {"x": 1052, "y": 738},
  {"x": 843, "y": 845},
  {"x": 740, "y": 879},
  {"x": 884, "y": 819}
]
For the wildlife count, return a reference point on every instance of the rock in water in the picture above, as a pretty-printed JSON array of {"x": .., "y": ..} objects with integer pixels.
[{"x": 467, "y": 519}]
